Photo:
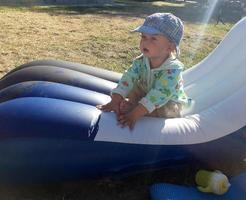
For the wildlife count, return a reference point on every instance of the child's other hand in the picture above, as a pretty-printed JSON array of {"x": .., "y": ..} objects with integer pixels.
[{"x": 128, "y": 119}]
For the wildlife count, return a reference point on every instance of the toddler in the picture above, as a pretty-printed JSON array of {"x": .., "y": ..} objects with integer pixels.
[{"x": 153, "y": 85}]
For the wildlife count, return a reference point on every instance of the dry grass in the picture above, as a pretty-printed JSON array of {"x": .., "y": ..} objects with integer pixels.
[
  {"x": 89, "y": 39},
  {"x": 94, "y": 37}
]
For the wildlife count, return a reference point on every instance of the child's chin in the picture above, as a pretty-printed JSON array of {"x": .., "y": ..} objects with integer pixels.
[{"x": 146, "y": 54}]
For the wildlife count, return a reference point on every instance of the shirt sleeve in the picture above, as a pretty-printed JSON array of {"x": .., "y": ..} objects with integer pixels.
[
  {"x": 126, "y": 83},
  {"x": 164, "y": 87}
]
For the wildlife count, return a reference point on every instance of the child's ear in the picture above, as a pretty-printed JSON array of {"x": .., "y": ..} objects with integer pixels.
[
  {"x": 173, "y": 50},
  {"x": 172, "y": 47}
]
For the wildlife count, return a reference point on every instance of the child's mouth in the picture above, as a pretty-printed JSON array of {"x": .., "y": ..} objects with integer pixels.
[{"x": 145, "y": 50}]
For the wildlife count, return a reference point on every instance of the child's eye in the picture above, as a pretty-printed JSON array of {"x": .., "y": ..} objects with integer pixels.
[{"x": 153, "y": 38}]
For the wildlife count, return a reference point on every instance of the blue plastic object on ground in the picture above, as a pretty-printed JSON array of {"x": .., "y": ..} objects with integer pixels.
[{"x": 166, "y": 191}]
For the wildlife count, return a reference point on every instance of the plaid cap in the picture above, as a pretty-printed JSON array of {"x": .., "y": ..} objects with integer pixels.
[{"x": 165, "y": 24}]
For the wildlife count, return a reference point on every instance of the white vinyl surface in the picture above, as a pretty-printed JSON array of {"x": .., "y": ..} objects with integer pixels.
[{"x": 217, "y": 87}]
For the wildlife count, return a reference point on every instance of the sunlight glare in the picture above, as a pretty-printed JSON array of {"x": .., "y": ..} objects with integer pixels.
[{"x": 209, "y": 11}]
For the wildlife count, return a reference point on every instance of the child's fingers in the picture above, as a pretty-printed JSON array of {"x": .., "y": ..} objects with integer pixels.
[
  {"x": 117, "y": 110},
  {"x": 131, "y": 126},
  {"x": 122, "y": 118},
  {"x": 99, "y": 107},
  {"x": 127, "y": 123},
  {"x": 122, "y": 121},
  {"x": 104, "y": 108}
]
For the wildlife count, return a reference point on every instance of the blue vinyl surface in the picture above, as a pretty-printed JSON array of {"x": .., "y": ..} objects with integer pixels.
[
  {"x": 44, "y": 117},
  {"x": 49, "y": 159},
  {"x": 53, "y": 90},
  {"x": 97, "y": 72},
  {"x": 58, "y": 75},
  {"x": 166, "y": 191}
]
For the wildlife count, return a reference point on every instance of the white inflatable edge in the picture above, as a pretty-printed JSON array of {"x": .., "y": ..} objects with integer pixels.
[{"x": 211, "y": 124}]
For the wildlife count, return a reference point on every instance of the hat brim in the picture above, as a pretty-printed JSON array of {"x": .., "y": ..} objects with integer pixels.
[{"x": 147, "y": 29}]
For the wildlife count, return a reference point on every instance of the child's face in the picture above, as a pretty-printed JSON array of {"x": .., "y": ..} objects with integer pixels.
[{"x": 155, "y": 46}]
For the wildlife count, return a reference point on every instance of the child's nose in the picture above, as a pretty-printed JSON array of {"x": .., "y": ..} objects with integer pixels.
[{"x": 146, "y": 41}]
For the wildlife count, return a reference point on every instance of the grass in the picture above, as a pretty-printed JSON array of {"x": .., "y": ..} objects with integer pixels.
[
  {"x": 94, "y": 36},
  {"x": 97, "y": 36}
]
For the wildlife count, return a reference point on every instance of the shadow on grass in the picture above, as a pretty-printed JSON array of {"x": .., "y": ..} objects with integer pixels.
[{"x": 189, "y": 11}]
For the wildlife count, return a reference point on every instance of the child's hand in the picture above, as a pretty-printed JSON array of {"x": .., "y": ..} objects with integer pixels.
[
  {"x": 129, "y": 119},
  {"x": 113, "y": 105},
  {"x": 107, "y": 107}
]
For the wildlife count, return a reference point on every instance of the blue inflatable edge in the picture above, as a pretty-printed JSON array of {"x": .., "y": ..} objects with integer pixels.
[{"x": 167, "y": 191}]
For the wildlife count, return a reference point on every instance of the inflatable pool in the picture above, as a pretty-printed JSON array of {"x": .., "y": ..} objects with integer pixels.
[{"x": 50, "y": 129}]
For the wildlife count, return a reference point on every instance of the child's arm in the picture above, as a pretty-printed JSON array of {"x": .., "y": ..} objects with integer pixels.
[
  {"x": 113, "y": 105},
  {"x": 130, "y": 118},
  {"x": 120, "y": 92},
  {"x": 127, "y": 80}
]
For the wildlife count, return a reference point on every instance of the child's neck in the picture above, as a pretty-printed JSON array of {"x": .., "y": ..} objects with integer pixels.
[{"x": 157, "y": 62}]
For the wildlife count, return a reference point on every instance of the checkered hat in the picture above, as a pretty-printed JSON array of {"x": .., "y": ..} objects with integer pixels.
[{"x": 165, "y": 24}]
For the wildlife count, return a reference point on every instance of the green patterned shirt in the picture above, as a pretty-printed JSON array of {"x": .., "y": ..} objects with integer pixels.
[{"x": 160, "y": 84}]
